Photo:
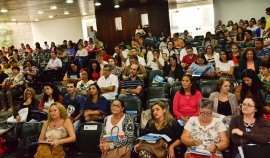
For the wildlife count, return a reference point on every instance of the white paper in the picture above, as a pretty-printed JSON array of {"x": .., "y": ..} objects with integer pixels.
[
  {"x": 168, "y": 139},
  {"x": 90, "y": 127},
  {"x": 241, "y": 152}
]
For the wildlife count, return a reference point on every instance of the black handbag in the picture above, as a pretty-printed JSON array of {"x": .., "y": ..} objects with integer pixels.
[{"x": 256, "y": 151}]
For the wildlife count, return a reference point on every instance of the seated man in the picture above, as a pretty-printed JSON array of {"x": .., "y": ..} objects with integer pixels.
[
  {"x": 53, "y": 67},
  {"x": 74, "y": 101},
  {"x": 141, "y": 70},
  {"x": 108, "y": 83},
  {"x": 189, "y": 58},
  {"x": 157, "y": 63},
  {"x": 260, "y": 52},
  {"x": 100, "y": 60},
  {"x": 135, "y": 51},
  {"x": 119, "y": 50},
  {"x": 183, "y": 52},
  {"x": 133, "y": 84}
]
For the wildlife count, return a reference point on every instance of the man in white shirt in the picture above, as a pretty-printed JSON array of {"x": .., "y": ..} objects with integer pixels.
[
  {"x": 46, "y": 46},
  {"x": 141, "y": 60},
  {"x": 53, "y": 68},
  {"x": 54, "y": 62},
  {"x": 157, "y": 63},
  {"x": 108, "y": 83}
]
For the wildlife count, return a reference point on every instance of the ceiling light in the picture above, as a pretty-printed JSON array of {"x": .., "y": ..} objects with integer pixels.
[
  {"x": 51, "y": 16},
  {"x": 4, "y": 10},
  {"x": 40, "y": 12},
  {"x": 69, "y": 1},
  {"x": 13, "y": 19},
  {"x": 54, "y": 7},
  {"x": 36, "y": 19},
  {"x": 116, "y": 6},
  {"x": 97, "y": 4},
  {"x": 66, "y": 12}
]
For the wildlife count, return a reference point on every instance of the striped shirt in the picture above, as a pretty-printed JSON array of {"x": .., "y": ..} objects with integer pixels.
[{"x": 133, "y": 84}]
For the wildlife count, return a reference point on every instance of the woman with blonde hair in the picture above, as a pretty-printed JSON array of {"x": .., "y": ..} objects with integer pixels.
[
  {"x": 162, "y": 122},
  {"x": 56, "y": 131}
]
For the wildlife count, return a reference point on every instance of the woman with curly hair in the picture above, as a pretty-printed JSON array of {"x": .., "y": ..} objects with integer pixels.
[
  {"x": 56, "y": 131},
  {"x": 51, "y": 95}
]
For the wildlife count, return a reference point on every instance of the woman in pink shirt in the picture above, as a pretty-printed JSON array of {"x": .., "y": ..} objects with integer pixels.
[{"x": 186, "y": 101}]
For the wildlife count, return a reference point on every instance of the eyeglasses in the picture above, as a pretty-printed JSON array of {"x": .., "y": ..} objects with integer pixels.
[
  {"x": 116, "y": 106},
  {"x": 205, "y": 113},
  {"x": 247, "y": 105}
]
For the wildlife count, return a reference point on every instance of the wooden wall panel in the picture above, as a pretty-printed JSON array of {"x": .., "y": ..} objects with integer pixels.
[{"x": 158, "y": 16}]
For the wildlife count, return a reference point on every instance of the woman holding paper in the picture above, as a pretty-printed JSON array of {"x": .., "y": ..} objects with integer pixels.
[
  {"x": 250, "y": 126},
  {"x": 162, "y": 122},
  {"x": 125, "y": 128},
  {"x": 204, "y": 132},
  {"x": 56, "y": 131}
]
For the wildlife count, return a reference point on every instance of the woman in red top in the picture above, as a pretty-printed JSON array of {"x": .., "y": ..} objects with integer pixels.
[
  {"x": 235, "y": 54},
  {"x": 94, "y": 69},
  {"x": 186, "y": 101},
  {"x": 51, "y": 95}
]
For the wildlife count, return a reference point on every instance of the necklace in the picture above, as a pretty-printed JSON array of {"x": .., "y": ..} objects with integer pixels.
[{"x": 55, "y": 122}]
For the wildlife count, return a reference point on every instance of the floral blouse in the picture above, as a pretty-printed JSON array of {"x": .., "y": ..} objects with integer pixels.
[
  {"x": 17, "y": 80},
  {"x": 207, "y": 134}
]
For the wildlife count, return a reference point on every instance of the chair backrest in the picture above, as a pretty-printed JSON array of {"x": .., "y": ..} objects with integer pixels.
[
  {"x": 30, "y": 131},
  {"x": 256, "y": 151},
  {"x": 88, "y": 137},
  {"x": 207, "y": 87},
  {"x": 174, "y": 90},
  {"x": 164, "y": 100},
  {"x": 133, "y": 105},
  {"x": 157, "y": 92},
  {"x": 152, "y": 74}
]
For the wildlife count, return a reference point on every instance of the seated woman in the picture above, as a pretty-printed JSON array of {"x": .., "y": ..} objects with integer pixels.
[
  {"x": 94, "y": 70},
  {"x": 51, "y": 95},
  {"x": 95, "y": 105},
  {"x": 12, "y": 88},
  {"x": 239, "y": 37},
  {"x": 251, "y": 85},
  {"x": 250, "y": 126},
  {"x": 205, "y": 131},
  {"x": 23, "y": 112},
  {"x": 224, "y": 66},
  {"x": 125, "y": 125},
  {"x": 211, "y": 56},
  {"x": 200, "y": 65},
  {"x": 30, "y": 72},
  {"x": 6, "y": 68},
  {"x": 186, "y": 101},
  {"x": 73, "y": 73},
  {"x": 223, "y": 40},
  {"x": 162, "y": 122},
  {"x": 83, "y": 85},
  {"x": 57, "y": 130},
  {"x": 208, "y": 40},
  {"x": 249, "y": 60},
  {"x": 174, "y": 71},
  {"x": 225, "y": 103},
  {"x": 248, "y": 41}
]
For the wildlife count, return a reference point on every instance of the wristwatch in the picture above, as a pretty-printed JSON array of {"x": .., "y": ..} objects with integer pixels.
[
  {"x": 126, "y": 90},
  {"x": 221, "y": 72}
]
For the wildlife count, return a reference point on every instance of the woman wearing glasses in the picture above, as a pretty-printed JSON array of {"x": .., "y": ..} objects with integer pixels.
[
  {"x": 124, "y": 126},
  {"x": 205, "y": 132},
  {"x": 250, "y": 126}
]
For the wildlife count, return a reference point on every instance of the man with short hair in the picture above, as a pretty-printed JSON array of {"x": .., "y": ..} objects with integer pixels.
[
  {"x": 259, "y": 31},
  {"x": 119, "y": 50},
  {"x": 157, "y": 63},
  {"x": 141, "y": 70},
  {"x": 74, "y": 101},
  {"x": 100, "y": 60},
  {"x": 189, "y": 58},
  {"x": 53, "y": 67},
  {"x": 46, "y": 46},
  {"x": 135, "y": 51},
  {"x": 252, "y": 27},
  {"x": 133, "y": 84},
  {"x": 108, "y": 83},
  {"x": 260, "y": 52}
]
